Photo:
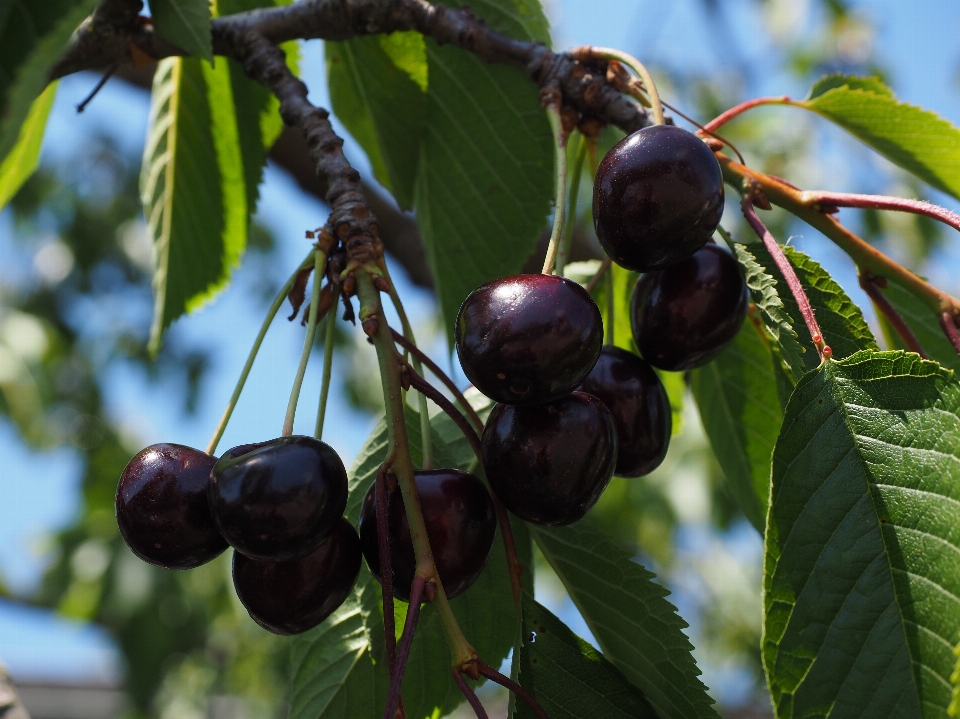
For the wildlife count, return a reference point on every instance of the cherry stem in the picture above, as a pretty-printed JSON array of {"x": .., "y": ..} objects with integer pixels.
[
  {"x": 493, "y": 675},
  {"x": 725, "y": 117},
  {"x": 703, "y": 129},
  {"x": 563, "y": 254},
  {"x": 595, "y": 280},
  {"x": 371, "y": 312},
  {"x": 320, "y": 257},
  {"x": 473, "y": 438},
  {"x": 610, "y": 309},
  {"x": 467, "y": 692},
  {"x": 97, "y": 88},
  {"x": 550, "y": 262},
  {"x": 866, "y": 256},
  {"x": 949, "y": 324},
  {"x": 786, "y": 269},
  {"x": 890, "y": 313},
  {"x": 327, "y": 372},
  {"x": 386, "y": 569},
  {"x": 827, "y": 201},
  {"x": 252, "y": 355},
  {"x": 608, "y": 53},
  {"x": 406, "y": 642}
]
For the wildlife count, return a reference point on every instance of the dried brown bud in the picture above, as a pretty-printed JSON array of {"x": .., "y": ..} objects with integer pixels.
[
  {"x": 713, "y": 143},
  {"x": 349, "y": 285},
  {"x": 370, "y": 326},
  {"x": 430, "y": 592},
  {"x": 381, "y": 283}
]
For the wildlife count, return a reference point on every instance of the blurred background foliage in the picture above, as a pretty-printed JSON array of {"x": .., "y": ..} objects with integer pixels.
[{"x": 76, "y": 300}]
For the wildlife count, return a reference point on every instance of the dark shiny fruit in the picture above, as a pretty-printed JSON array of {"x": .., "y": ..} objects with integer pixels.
[
  {"x": 658, "y": 198},
  {"x": 461, "y": 524},
  {"x": 280, "y": 499},
  {"x": 634, "y": 394},
  {"x": 685, "y": 315},
  {"x": 528, "y": 339},
  {"x": 549, "y": 463},
  {"x": 292, "y": 597},
  {"x": 162, "y": 507}
]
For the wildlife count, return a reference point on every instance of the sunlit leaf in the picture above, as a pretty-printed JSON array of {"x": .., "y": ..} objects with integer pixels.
[{"x": 22, "y": 160}]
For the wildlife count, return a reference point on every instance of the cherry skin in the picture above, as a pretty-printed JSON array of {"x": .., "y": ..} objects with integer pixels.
[
  {"x": 292, "y": 597},
  {"x": 461, "y": 524},
  {"x": 549, "y": 463},
  {"x": 685, "y": 315},
  {"x": 634, "y": 394},
  {"x": 657, "y": 198},
  {"x": 162, "y": 508},
  {"x": 278, "y": 500},
  {"x": 528, "y": 339}
]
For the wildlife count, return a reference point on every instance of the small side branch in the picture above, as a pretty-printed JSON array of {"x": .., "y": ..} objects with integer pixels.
[
  {"x": 467, "y": 692},
  {"x": 949, "y": 324},
  {"x": 829, "y": 202},
  {"x": 870, "y": 286},
  {"x": 406, "y": 642},
  {"x": 508, "y": 683},
  {"x": 786, "y": 269}
]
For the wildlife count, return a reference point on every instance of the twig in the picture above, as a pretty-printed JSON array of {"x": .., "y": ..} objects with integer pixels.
[
  {"x": 786, "y": 269},
  {"x": 93, "y": 93},
  {"x": 634, "y": 64},
  {"x": 406, "y": 641},
  {"x": 890, "y": 313},
  {"x": 725, "y": 117},
  {"x": 467, "y": 692},
  {"x": 560, "y": 204},
  {"x": 492, "y": 674},
  {"x": 319, "y": 259},
  {"x": 595, "y": 280},
  {"x": 949, "y": 325},
  {"x": 830, "y": 201}
]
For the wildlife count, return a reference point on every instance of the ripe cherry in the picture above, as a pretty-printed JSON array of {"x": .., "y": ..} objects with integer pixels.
[
  {"x": 685, "y": 315},
  {"x": 280, "y": 499},
  {"x": 658, "y": 197},
  {"x": 528, "y": 339},
  {"x": 549, "y": 463},
  {"x": 634, "y": 394},
  {"x": 461, "y": 525},
  {"x": 292, "y": 597},
  {"x": 162, "y": 507}
]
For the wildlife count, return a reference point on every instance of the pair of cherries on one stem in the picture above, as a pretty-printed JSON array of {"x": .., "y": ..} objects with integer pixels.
[{"x": 279, "y": 504}]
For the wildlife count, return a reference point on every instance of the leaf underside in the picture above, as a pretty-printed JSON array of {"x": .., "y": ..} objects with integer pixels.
[{"x": 862, "y": 559}]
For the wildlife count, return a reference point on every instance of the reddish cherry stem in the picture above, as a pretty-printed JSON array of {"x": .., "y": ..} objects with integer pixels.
[
  {"x": 386, "y": 571},
  {"x": 406, "y": 641},
  {"x": 949, "y": 325},
  {"x": 896, "y": 321},
  {"x": 493, "y": 675},
  {"x": 786, "y": 269},
  {"x": 725, "y": 117},
  {"x": 469, "y": 694},
  {"x": 827, "y": 201}
]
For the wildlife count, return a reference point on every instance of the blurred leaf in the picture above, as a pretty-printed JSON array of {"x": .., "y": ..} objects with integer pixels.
[
  {"x": 20, "y": 163},
  {"x": 638, "y": 630},
  {"x": 917, "y": 140},
  {"x": 381, "y": 98},
  {"x": 185, "y": 23},
  {"x": 740, "y": 410},
  {"x": 924, "y": 324},
  {"x": 32, "y": 37},
  {"x": 954, "y": 708},
  {"x": 862, "y": 565},
  {"x": 568, "y": 677}
]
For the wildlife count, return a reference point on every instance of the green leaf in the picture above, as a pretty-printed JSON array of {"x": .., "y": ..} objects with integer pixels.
[
  {"x": 638, "y": 630},
  {"x": 185, "y": 23},
  {"x": 840, "y": 320},
  {"x": 378, "y": 87},
  {"x": 954, "y": 709},
  {"x": 32, "y": 38},
  {"x": 741, "y": 414},
  {"x": 862, "y": 558},
  {"x": 568, "y": 677},
  {"x": 925, "y": 326},
  {"x": 17, "y": 166},
  {"x": 917, "y": 140}
]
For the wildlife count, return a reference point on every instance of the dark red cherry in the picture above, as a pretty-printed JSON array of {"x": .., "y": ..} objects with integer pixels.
[
  {"x": 549, "y": 463},
  {"x": 658, "y": 197},
  {"x": 280, "y": 499},
  {"x": 528, "y": 339},
  {"x": 685, "y": 315},
  {"x": 162, "y": 507},
  {"x": 461, "y": 524},
  {"x": 634, "y": 394},
  {"x": 292, "y": 597}
]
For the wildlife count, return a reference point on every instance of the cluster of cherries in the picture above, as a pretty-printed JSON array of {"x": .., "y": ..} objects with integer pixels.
[{"x": 570, "y": 413}]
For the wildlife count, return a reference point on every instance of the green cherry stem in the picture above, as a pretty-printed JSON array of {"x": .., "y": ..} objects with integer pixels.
[
  {"x": 320, "y": 257},
  {"x": 267, "y": 321},
  {"x": 563, "y": 253},
  {"x": 327, "y": 369},
  {"x": 559, "y": 213}
]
